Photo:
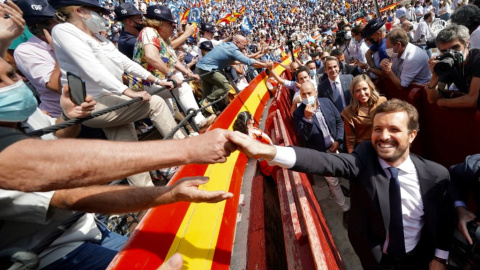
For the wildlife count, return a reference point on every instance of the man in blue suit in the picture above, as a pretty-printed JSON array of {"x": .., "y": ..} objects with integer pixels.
[
  {"x": 337, "y": 86},
  {"x": 320, "y": 127}
]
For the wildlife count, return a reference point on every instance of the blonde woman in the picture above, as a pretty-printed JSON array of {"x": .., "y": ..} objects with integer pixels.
[
  {"x": 357, "y": 117},
  {"x": 81, "y": 50}
]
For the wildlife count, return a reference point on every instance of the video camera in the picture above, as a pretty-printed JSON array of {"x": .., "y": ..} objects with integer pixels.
[
  {"x": 340, "y": 38},
  {"x": 447, "y": 61}
]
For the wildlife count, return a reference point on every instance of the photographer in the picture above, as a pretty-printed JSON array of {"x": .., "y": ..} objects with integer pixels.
[{"x": 455, "y": 81}]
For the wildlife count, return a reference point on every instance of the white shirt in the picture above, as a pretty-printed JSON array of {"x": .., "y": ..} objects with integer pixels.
[
  {"x": 423, "y": 29},
  {"x": 412, "y": 66},
  {"x": 100, "y": 64},
  {"x": 475, "y": 39},
  {"x": 36, "y": 60},
  {"x": 362, "y": 50}
]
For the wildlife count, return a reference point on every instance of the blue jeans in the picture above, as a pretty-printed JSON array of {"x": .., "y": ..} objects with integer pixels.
[{"x": 92, "y": 255}]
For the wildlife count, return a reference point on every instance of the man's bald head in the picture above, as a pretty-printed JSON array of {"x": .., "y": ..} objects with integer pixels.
[
  {"x": 240, "y": 41},
  {"x": 307, "y": 88}
]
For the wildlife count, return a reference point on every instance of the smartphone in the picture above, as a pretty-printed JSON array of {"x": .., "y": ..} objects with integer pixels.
[{"x": 77, "y": 88}]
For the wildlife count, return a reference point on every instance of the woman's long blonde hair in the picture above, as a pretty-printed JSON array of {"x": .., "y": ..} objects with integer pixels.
[
  {"x": 64, "y": 13},
  {"x": 374, "y": 96}
]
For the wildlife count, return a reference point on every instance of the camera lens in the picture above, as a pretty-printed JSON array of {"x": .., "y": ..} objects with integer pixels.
[{"x": 444, "y": 66}]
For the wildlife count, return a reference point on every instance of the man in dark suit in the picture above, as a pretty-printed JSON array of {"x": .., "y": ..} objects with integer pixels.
[
  {"x": 320, "y": 127},
  {"x": 337, "y": 86},
  {"x": 400, "y": 215}
]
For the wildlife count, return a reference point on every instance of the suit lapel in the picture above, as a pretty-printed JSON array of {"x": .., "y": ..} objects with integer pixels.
[
  {"x": 381, "y": 185},
  {"x": 315, "y": 119},
  {"x": 425, "y": 179}
]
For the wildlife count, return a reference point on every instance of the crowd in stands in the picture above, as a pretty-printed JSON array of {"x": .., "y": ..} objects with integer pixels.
[{"x": 135, "y": 49}]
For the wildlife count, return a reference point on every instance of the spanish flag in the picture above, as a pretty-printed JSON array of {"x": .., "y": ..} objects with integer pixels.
[
  {"x": 347, "y": 5},
  {"x": 295, "y": 10},
  {"x": 242, "y": 10},
  {"x": 265, "y": 7},
  {"x": 271, "y": 15},
  {"x": 227, "y": 19},
  {"x": 236, "y": 14},
  {"x": 184, "y": 17}
]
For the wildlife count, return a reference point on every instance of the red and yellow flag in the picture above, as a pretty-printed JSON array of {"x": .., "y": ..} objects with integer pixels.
[
  {"x": 227, "y": 19},
  {"x": 347, "y": 5},
  {"x": 242, "y": 10},
  {"x": 236, "y": 14},
  {"x": 295, "y": 10},
  {"x": 184, "y": 17},
  {"x": 271, "y": 15}
]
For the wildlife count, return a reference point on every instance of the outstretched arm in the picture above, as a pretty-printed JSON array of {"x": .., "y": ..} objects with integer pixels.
[{"x": 52, "y": 165}]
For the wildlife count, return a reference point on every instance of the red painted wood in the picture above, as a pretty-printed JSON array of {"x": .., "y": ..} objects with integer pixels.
[{"x": 257, "y": 253}]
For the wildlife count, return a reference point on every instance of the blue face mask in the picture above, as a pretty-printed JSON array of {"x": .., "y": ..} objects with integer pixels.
[
  {"x": 17, "y": 102},
  {"x": 318, "y": 63},
  {"x": 313, "y": 73}
]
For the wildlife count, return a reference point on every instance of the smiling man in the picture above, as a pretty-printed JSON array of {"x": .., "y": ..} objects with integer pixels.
[
  {"x": 399, "y": 216},
  {"x": 337, "y": 86}
]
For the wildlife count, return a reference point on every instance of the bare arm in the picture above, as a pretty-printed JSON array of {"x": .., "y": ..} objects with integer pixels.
[
  {"x": 11, "y": 27},
  {"x": 278, "y": 78},
  {"x": 50, "y": 165},
  {"x": 466, "y": 101},
  {"x": 189, "y": 29},
  {"x": 111, "y": 199},
  {"x": 153, "y": 59}
]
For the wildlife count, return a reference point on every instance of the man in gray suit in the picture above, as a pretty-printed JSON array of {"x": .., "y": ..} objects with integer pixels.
[{"x": 337, "y": 86}]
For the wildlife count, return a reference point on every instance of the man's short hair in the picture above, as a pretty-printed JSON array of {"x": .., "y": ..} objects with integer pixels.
[
  {"x": 398, "y": 35},
  {"x": 332, "y": 58},
  {"x": 397, "y": 105},
  {"x": 302, "y": 69},
  {"x": 427, "y": 16},
  {"x": 358, "y": 29},
  {"x": 467, "y": 15},
  {"x": 336, "y": 52},
  {"x": 452, "y": 32},
  {"x": 310, "y": 62}
]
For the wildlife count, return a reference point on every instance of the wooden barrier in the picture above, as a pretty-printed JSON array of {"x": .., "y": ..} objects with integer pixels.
[{"x": 446, "y": 136}]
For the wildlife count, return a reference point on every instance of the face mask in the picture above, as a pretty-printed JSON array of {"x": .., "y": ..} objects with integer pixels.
[
  {"x": 309, "y": 100},
  {"x": 391, "y": 54},
  {"x": 139, "y": 27},
  {"x": 348, "y": 35},
  {"x": 313, "y": 73},
  {"x": 318, "y": 63},
  {"x": 17, "y": 102},
  {"x": 96, "y": 23}
]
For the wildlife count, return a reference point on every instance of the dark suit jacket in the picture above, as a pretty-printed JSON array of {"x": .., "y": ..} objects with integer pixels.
[
  {"x": 370, "y": 214},
  {"x": 465, "y": 178},
  {"x": 310, "y": 133},
  {"x": 325, "y": 89},
  {"x": 348, "y": 69}
]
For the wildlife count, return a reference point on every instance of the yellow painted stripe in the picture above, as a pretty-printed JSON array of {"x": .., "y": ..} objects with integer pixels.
[{"x": 197, "y": 236}]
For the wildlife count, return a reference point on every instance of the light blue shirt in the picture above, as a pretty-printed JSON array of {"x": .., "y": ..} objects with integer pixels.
[{"x": 223, "y": 56}]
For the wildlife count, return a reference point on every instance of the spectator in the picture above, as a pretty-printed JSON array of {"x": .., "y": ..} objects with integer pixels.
[
  {"x": 410, "y": 12},
  {"x": 132, "y": 21},
  {"x": 154, "y": 52},
  {"x": 207, "y": 31},
  {"x": 313, "y": 72},
  {"x": 424, "y": 32},
  {"x": 344, "y": 67},
  {"x": 219, "y": 58},
  {"x": 336, "y": 88},
  {"x": 469, "y": 16},
  {"x": 28, "y": 218},
  {"x": 382, "y": 237},
  {"x": 362, "y": 47},
  {"x": 444, "y": 10},
  {"x": 418, "y": 11},
  {"x": 464, "y": 179},
  {"x": 463, "y": 73},
  {"x": 36, "y": 59},
  {"x": 357, "y": 117},
  {"x": 83, "y": 52},
  {"x": 407, "y": 64},
  {"x": 407, "y": 26},
  {"x": 320, "y": 127},
  {"x": 375, "y": 31}
]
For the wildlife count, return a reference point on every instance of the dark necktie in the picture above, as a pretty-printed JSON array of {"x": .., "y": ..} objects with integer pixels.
[
  {"x": 337, "y": 97},
  {"x": 396, "y": 244}
]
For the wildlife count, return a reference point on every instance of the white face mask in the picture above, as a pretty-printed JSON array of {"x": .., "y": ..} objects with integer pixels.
[
  {"x": 391, "y": 54},
  {"x": 96, "y": 23},
  {"x": 348, "y": 35},
  {"x": 309, "y": 100}
]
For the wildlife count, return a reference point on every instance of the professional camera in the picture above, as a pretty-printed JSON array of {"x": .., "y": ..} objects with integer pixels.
[
  {"x": 340, "y": 38},
  {"x": 447, "y": 61},
  {"x": 473, "y": 255}
]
